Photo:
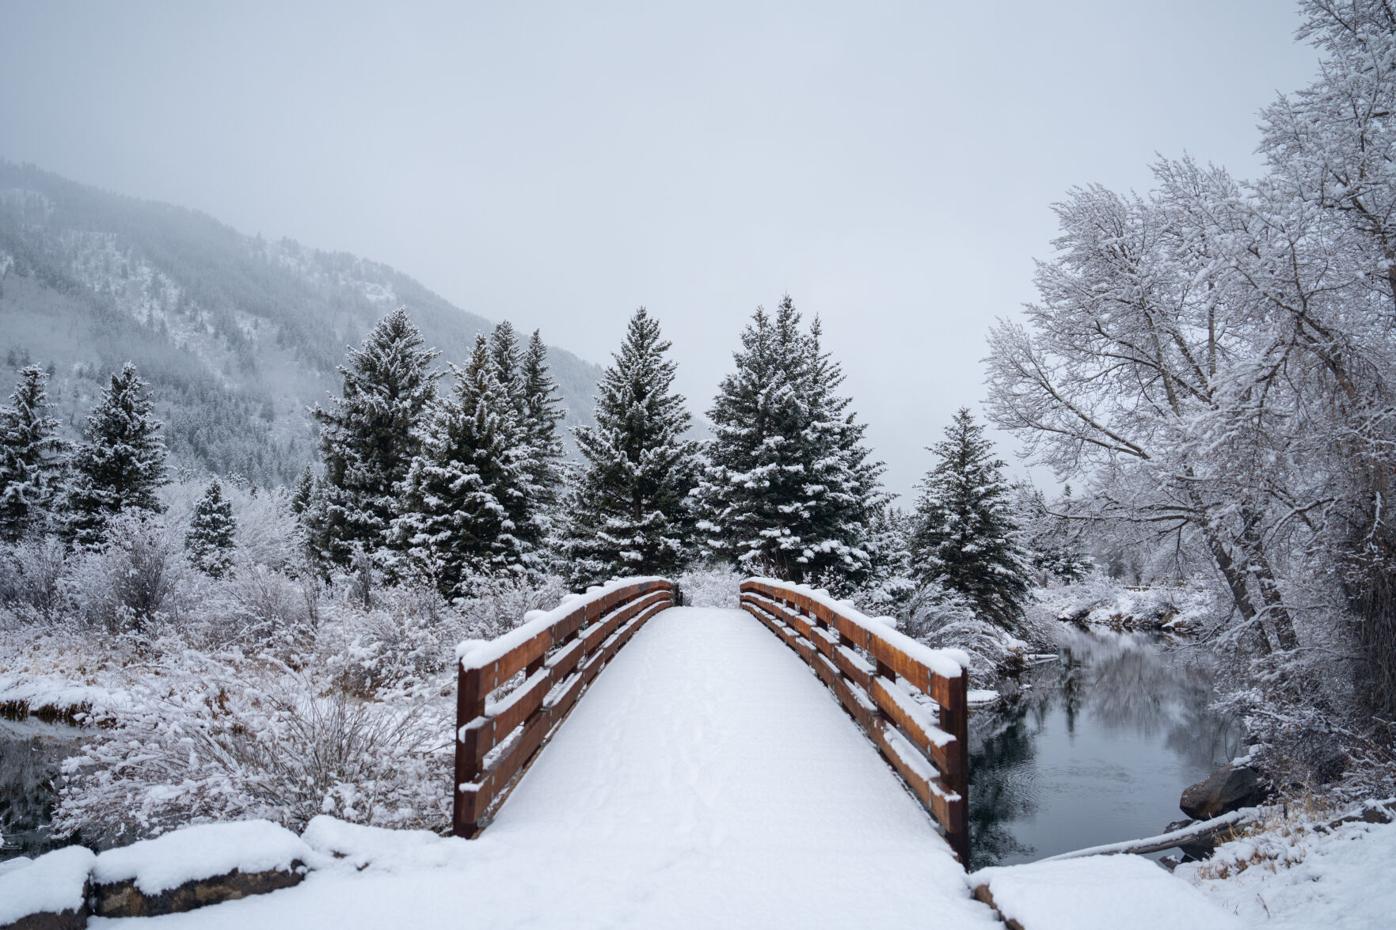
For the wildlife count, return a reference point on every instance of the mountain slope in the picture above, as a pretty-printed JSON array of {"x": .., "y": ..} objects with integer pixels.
[{"x": 237, "y": 335}]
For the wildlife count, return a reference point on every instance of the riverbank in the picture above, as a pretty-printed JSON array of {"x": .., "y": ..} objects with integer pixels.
[{"x": 1296, "y": 871}]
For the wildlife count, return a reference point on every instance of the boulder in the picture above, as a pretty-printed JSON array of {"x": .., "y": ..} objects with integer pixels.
[
  {"x": 124, "y": 899},
  {"x": 196, "y": 866},
  {"x": 48, "y": 893},
  {"x": 1229, "y": 788}
]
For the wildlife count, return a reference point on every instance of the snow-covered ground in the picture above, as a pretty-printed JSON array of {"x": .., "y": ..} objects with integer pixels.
[
  {"x": 1291, "y": 877},
  {"x": 733, "y": 793}
]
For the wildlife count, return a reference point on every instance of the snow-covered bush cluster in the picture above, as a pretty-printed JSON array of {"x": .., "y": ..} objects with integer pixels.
[
  {"x": 266, "y": 691},
  {"x": 1098, "y": 600}
]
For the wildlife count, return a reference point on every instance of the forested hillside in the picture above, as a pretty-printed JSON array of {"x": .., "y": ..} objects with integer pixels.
[{"x": 237, "y": 335}]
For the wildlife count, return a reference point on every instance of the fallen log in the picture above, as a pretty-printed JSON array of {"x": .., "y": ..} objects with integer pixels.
[{"x": 1150, "y": 844}]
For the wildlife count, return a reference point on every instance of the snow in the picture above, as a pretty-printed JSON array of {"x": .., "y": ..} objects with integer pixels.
[
  {"x": 1099, "y": 893},
  {"x": 53, "y": 883},
  {"x": 948, "y": 663},
  {"x": 474, "y": 653},
  {"x": 382, "y": 850},
  {"x": 705, "y": 779},
  {"x": 40, "y": 693},
  {"x": 982, "y": 696},
  {"x": 200, "y": 852},
  {"x": 1342, "y": 880}
]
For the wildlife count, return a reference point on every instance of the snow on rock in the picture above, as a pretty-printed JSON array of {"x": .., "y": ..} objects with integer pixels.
[
  {"x": 1098, "y": 893},
  {"x": 51, "y": 884},
  {"x": 1297, "y": 879},
  {"x": 200, "y": 852},
  {"x": 476, "y": 653},
  {"x": 948, "y": 663},
  {"x": 382, "y": 850}
]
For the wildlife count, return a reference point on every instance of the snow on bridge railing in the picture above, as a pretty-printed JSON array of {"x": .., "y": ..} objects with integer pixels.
[
  {"x": 884, "y": 679},
  {"x": 539, "y": 670}
]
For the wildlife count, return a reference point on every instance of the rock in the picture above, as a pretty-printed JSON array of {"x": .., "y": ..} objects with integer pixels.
[
  {"x": 63, "y": 920},
  {"x": 1197, "y": 849},
  {"x": 1229, "y": 788},
  {"x": 124, "y": 899}
]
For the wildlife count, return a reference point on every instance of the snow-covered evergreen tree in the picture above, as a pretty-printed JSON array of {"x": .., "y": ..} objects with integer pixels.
[
  {"x": 304, "y": 493},
  {"x": 508, "y": 363},
  {"x": 789, "y": 489},
  {"x": 629, "y": 509},
  {"x": 463, "y": 496},
  {"x": 964, "y": 539},
  {"x": 1052, "y": 539},
  {"x": 32, "y": 456},
  {"x": 541, "y": 418},
  {"x": 368, "y": 438},
  {"x": 120, "y": 464},
  {"x": 211, "y": 531}
]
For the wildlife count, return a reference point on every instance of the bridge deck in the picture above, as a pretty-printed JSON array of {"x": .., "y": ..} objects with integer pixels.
[{"x": 707, "y": 779}]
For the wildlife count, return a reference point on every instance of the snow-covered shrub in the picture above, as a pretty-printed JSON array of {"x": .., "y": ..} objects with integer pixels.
[
  {"x": 214, "y": 738},
  {"x": 31, "y": 578},
  {"x": 945, "y": 619},
  {"x": 1098, "y": 600},
  {"x": 256, "y": 607},
  {"x": 138, "y": 579},
  {"x": 710, "y": 586}
]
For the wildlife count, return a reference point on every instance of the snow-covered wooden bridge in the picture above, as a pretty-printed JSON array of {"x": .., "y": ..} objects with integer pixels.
[{"x": 706, "y": 779}]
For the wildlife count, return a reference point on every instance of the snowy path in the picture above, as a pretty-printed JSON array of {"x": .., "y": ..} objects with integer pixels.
[{"x": 706, "y": 780}]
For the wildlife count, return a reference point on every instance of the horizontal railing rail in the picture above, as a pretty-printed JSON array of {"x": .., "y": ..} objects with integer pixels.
[
  {"x": 910, "y": 700},
  {"x": 514, "y": 691}
]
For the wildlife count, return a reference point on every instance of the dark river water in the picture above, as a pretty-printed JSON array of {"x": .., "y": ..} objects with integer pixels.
[
  {"x": 30, "y": 753},
  {"x": 1096, "y": 748}
]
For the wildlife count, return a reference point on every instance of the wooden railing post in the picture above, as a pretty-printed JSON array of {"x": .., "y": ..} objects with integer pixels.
[
  {"x": 470, "y": 707},
  {"x": 954, "y": 719}
]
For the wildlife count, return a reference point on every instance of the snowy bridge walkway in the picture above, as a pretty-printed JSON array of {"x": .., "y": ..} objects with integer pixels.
[{"x": 706, "y": 779}]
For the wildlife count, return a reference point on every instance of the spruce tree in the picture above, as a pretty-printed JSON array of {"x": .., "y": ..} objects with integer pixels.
[
  {"x": 120, "y": 465},
  {"x": 463, "y": 490},
  {"x": 629, "y": 508},
  {"x": 32, "y": 456},
  {"x": 211, "y": 530},
  {"x": 507, "y": 361},
  {"x": 368, "y": 438},
  {"x": 965, "y": 538},
  {"x": 541, "y": 418},
  {"x": 304, "y": 494},
  {"x": 789, "y": 489}
]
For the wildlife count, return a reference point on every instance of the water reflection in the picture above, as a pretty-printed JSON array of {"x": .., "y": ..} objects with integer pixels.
[
  {"x": 30, "y": 754},
  {"x": 1093, "y": 749}
]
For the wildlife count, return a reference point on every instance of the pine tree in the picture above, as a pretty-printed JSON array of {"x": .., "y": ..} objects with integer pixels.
[
  {"x": 369, "y": 436},
  {"x": 461, "y": 495},
  {"x": 965, "y": 538},
  {"x": 789, "y": 489},
  {"x": 211, "y": 530},
  {"x": 507, "y": 361},
  {"x": 629, "y": 508},
  {"x": 1052, "y": 539},
  {"x": 541, "y": 418},
  {"x": 32, "y": 457},
  {"x": 304, "y": 494},
  {"x": 120, "y": 465}
]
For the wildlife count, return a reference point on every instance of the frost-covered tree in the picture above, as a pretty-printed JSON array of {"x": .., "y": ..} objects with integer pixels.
[
  {"x": 212, "y": 529},
  {"x": 508, "y": 363},
  {"x": 463, "y": 501},
  {"x": 964, "y": 538},
  {"x": 120, "y": 465},
  {"x": 369, "y": 437},
  {"x": 32, "y": 457},
  {"x": 789, "y": 489},
  {"x": 629, "y": 511}
]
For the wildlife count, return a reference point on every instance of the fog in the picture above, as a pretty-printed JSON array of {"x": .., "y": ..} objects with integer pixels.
[{"x": 891, "y": 166}]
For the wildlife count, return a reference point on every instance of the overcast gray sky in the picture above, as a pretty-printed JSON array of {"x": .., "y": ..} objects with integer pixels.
[{"x": 890, "y": 165}]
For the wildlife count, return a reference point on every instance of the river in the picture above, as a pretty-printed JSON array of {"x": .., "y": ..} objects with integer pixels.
[
  {"x": 30, "y": 754},
  {"x": 1095, "y": 748}
]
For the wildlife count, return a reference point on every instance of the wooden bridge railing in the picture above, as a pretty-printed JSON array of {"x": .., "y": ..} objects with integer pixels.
[
  {"x": 880, "y": 676},
  {"x": 540, "y": 669}
]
